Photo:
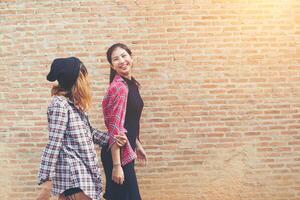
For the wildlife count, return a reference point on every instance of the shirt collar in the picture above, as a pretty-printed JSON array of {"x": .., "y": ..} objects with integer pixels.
[
  {"x": 66, "y": 98},
  {"x": 71, "y": 103},
  {"x": 119, "y": 78}
]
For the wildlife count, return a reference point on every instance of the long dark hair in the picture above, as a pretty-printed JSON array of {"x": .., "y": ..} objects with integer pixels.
[{"x": 108, "y": 57}]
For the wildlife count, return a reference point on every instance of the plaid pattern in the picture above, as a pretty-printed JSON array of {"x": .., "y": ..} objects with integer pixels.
[
  {"x": 69, "y": 159},
  {"x": 114, "y": 111}
]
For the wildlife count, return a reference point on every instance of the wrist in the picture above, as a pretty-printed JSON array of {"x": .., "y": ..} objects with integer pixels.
[{"x": 117, "y": 164}]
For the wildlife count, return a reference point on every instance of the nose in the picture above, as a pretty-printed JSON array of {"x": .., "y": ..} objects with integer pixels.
[{"x": 121, "y": 60}]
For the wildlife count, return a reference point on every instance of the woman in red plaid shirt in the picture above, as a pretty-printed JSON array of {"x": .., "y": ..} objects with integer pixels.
[
  {"x": 122, "y": 108},
  {"x": 69, "y": 164}
]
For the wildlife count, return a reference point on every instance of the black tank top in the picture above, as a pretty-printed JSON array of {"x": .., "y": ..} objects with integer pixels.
[{"x": 134, "y": 109}]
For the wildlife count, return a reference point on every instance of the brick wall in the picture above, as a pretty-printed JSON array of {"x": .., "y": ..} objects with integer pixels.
[{"x": 220, "y": 80}]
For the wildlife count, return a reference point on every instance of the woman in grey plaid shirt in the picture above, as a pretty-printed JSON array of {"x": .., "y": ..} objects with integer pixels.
[{"x": 69, "y": 165}]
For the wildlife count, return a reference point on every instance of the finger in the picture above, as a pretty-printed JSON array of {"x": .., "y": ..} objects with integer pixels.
[
  {"x": 120, "y": 144},
  {"x": 121, "y": 139},
  {"x": 116, "y": 139},
  {"x": 121, "y": 136},
  {"x": 144, "y": 162},
  {"x": 116, "y": 181}
]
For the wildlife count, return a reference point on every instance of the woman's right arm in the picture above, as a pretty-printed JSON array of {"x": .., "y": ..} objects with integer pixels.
[
  {"x": 117, "y": 172},
  {"x": 57, "y": 125},
  {"x": 114, "y": 113}
]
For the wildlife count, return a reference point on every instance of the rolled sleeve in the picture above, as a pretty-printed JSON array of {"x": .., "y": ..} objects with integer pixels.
[
  {"x": 116, "y": 121},
  {"x": 114, "y": 107}
]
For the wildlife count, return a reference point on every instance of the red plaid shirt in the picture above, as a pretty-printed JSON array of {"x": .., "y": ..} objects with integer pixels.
[{"x": 114, "y": 111}]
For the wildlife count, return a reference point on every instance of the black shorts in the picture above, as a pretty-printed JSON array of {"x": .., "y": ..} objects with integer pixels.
[{"x": 72, "y": 191}]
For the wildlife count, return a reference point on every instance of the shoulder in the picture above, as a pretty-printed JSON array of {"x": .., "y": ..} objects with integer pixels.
[
  {"x": 117, "y": 87},
  {"x": 58, "y": 102}
]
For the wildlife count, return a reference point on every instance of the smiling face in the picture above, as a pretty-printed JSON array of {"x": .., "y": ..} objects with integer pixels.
[{"x": 121, "y": 62}]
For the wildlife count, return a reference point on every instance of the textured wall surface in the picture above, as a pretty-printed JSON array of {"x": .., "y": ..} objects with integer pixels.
[{"x": 220, "y": 81}]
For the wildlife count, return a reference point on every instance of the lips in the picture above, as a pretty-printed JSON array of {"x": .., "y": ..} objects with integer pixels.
[{"x": 124, "y": 67}]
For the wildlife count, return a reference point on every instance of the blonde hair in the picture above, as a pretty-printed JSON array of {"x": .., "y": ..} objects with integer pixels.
[{"x": 80, "y": 93}]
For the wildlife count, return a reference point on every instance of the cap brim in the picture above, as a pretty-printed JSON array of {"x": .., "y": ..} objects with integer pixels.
[{"x": 50, "y": 77}]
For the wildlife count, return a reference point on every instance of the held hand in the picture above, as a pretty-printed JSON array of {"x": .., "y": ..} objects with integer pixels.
[
  {"x": 121, "y": 140},
  {"x": 45, "y": 192},
  {"x": 141, "y": 155},
  {"x": 118, "y": 174}
]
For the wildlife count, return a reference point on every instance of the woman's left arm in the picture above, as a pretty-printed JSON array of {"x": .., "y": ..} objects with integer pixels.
[
  {"x": 141, "y": 154},
  {"x": 57, "y": 125},
  {"x": 101, "y": 138}
]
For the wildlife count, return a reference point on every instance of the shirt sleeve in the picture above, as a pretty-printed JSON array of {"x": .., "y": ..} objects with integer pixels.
[
  {"x": 99, "y": 137},
  {"x": 57, "y": 125},
  {"x": 114, "y": 109}
]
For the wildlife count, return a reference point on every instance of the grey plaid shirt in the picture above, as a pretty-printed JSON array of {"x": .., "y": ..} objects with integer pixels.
[{"x": 69, "y": 160}]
